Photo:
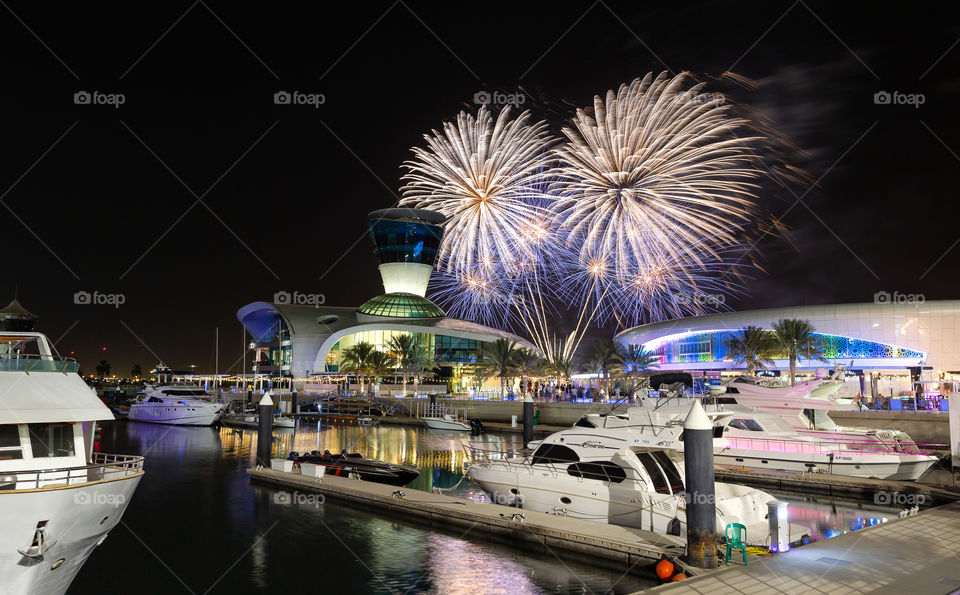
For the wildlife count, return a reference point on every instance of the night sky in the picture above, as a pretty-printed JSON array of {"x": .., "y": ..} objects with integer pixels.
[{"x": 103, "y": 198}]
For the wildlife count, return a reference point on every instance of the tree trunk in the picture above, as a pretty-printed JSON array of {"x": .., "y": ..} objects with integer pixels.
[
  {"x": 793, "y": 371},
  {"x": 750, "y": 369}
]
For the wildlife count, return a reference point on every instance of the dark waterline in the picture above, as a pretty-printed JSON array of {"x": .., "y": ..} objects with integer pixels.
[{"x": 196, "y": 524}]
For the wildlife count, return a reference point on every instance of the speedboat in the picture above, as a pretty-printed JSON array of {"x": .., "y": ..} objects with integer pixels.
[
  {"x": 58, "y": 498},
  {"x": 608, "y": 479},
  {"x": 446, "y": 422},
  {"x": 347, "y": 464},
  {"x": 176, "y": 404}
]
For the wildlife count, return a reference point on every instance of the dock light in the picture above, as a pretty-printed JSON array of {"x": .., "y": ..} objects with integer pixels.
[{"x": 779, "y": 517}]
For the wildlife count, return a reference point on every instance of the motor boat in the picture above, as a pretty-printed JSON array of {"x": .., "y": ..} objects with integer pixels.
[
  {"x": 744, "y": 437},
  {"x": 58, "y": 498},
  {"x": 446, "y": 422},
  {"x": 282, "y": 421},
  {"x": 176, "y": 404},
  {"x": 347, "y": 464},
  {"x": 608, "y": 479}
]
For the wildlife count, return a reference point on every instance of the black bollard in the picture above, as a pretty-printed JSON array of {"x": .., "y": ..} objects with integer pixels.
[
  {"x": 249, "y": 399},
  {"x": 293, "y": 405},
  {"x": 702, "y": 538},
  {"x": 265, "y": 431},
  {"x": 527, "y": 420}
]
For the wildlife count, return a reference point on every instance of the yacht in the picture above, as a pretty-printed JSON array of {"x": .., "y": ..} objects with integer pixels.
[
  {"x": 58, "y": 498},
  {"x": 176, "y": 404},
  {"x": 607, "y": 477},
  {"x": 745, "y": 437},
  {"x": 445, "y": 422}
]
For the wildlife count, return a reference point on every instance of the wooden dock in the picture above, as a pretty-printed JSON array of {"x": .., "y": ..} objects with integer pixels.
[
  {"x": 612, "y": 546},
  {"x": 916, "y": 555}
]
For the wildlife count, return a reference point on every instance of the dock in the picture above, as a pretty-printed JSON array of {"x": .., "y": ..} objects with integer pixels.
[
  {"x": 619, "y": 548},
  {"x": 916, "y": 555},
  {"x": 833, "y": 485}
]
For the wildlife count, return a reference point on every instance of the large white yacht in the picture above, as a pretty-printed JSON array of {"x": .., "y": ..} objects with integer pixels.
[
  {"x": 58, "y": 498},
  {"x": 748, "y": 438},
  {"x": 176, "y": 404},
  {"x": 609, "y": 479}
]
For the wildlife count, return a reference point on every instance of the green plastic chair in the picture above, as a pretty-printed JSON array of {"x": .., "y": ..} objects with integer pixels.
[{"x": 737, "y": 540}]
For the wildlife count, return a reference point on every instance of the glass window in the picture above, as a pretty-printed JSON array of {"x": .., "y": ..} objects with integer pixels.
[
  {"x": 659, "y": 482},
  {"x": 185, "y": 392},
  {"x": 745, "y": 424},
  {"x": 10, "y": 443},
  {"x": 670, "y": 468},
  {"x": 51, "y": 440},
  {"x": 602, "y": 471},
  {"x": 554, "y": 453}
]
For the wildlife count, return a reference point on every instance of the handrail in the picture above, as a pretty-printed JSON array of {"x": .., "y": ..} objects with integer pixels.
[
  {"x": 825, "y": 448},
  {"x": 104, "y": 467}
]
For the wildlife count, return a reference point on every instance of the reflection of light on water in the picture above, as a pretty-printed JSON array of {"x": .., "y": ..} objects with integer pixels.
[
  {"x": 458, "y": 566},
  {"x": 827, "y": 519}
]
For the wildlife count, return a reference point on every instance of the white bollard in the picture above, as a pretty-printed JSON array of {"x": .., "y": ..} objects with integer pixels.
[
  {"x": 513, "y": 421},
  {"x": 779, "y": 517}
]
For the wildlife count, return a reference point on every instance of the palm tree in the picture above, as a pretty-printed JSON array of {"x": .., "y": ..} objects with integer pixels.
[
  {"x": 795, "y": 338},
  {"x": 527, "y": 363},
  {"x": 562, "y": 370},
  {"x": 103, "y": 368},
  {"x": 421, "y": 359},
  {"x": 605, "y": 360},
  {"x": 403, "y": 347},
  {"x": 136, "y": 372},
  {"x": 379, "y": 364},
  {"x": 635, "y": 362},
  {"x": 356, "y": 360},
  {"x": 499, "y": 359},
  {"x": 754, "y": 347}
]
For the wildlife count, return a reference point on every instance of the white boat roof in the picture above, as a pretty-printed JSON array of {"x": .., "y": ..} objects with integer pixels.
[{"x": 43, "y": 395}]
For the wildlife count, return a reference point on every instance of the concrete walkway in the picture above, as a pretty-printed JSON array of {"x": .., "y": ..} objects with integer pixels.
[{"x": 916, "y": 555}]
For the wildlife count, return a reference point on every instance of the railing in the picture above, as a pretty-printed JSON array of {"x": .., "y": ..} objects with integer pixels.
[
  {"x": 104, "y": 467},
  {"x": 38, "y": 363},
  {"x": 846, "y": 447}
]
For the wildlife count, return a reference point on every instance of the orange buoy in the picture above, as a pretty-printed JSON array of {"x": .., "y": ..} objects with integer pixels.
[
  {"x": 679, "y": 576},
  {"x": 664, "y": 569}
]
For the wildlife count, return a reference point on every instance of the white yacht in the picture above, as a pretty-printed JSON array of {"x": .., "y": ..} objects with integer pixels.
[
  {"x": 607, "y": 478},
  {"x": 58, "y": 498},
  {"x": 445, "y": 422},
  {"x": 756, "y": 440},
  {"x": 176, "y": 404}
]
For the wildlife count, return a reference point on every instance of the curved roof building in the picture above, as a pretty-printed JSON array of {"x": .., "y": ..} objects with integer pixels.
[
  {"x": 889, "y": 334},
  {"x": 308, "y": 339}
]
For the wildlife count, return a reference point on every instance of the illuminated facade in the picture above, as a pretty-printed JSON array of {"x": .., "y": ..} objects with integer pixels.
[
  {"x": 301, "y": 340},
  {"x": 873, "y": 336}
]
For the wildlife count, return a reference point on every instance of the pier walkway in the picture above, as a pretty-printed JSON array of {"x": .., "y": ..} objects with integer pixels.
[
  {"x": 918, "y": 554},
  {"x": 613, "y": 546}
]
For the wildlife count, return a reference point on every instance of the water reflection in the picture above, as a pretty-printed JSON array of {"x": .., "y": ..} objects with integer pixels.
[{"x": 197, "y": 522}]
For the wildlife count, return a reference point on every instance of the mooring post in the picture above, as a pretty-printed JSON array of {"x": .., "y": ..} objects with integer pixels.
[
  {"x": 293, "y": 405},
  {"x": 265, "y": 431},
  {"x": 700, "y": 494},
  {"x": 527, "y": 420}
]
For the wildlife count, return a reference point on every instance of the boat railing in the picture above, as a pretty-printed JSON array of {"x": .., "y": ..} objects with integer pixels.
[
  {"x": 845, "y": 447},
  {"x": 103, "y": 467},
  {"x": 32, "y": 362}
]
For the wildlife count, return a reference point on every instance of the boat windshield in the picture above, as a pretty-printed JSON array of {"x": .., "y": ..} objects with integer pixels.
[
  {"x": 670, "y": 468},
  {"x": 743, "y": 423},
  {"x": 24, "y": 353},
  {"x": 656, "y": 474}
]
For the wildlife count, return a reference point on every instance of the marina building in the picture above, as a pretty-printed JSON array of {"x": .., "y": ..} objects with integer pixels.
[{"x": 308, "y": 340}]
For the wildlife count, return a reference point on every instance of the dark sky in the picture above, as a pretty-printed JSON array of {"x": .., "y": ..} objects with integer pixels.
[{"x": 104, "y": 199}]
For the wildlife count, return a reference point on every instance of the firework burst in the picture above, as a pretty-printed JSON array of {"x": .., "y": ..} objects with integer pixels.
[{"x": 480, "y": 173}]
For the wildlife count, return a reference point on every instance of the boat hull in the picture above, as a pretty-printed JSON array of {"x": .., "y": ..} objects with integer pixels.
[
  {"x": 443, "y": 424},
  {"x": 178, "y": 415},
  {"x": 78, "y": 519}
]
